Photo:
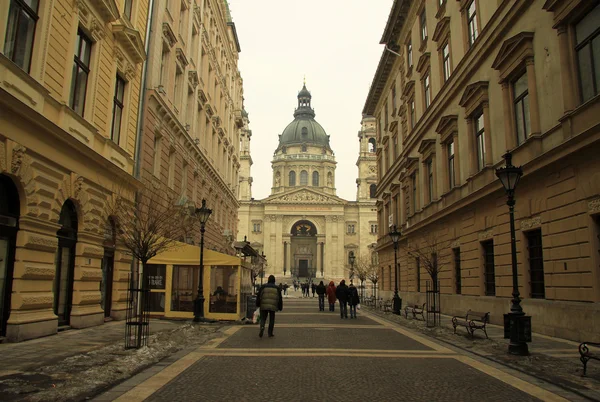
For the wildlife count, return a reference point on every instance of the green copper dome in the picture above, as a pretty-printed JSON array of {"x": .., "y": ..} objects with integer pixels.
[{"x": 304, "y": 129}]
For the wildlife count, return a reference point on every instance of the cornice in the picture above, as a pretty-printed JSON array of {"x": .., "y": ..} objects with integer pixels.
[{"x": 131, "y": 41}]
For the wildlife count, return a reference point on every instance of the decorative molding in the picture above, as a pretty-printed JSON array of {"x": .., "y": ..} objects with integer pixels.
[
  {"x": 131, "y": 41},
  {"x": 18, "y": 159},
  {"x": 455, "y": 244},
  {"x": 193, "y": 78},
  {"x": 39, "y": 242},
  {"x": 168, "y": 36},
  {"x": 442, "y": 28},
  {"x": 513, "y": 53},
  {"x": 3, "y": 166},
  {"x": 33, "y": 271},
  {"x": 534, "y": 222},
  {"x": 594, "y": 205},
  {"x": 92, "y": 251},
  {"x": 423, "y": 63},
  {"x": 474, "y": 95},
  {"x": 447, "y": 127},
  {"x": 108, "y": 8},
  {"x": 485, "y": 235},
  {"x": 31, "y": 301}
]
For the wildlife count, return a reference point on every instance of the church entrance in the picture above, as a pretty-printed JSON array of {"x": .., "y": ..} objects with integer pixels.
[{"x": 304, "y": 250}]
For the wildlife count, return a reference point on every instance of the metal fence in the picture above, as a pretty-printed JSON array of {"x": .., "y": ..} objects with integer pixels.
[
  {"x": 433, "y": 304},
  {"x": 137, "y": 316}
]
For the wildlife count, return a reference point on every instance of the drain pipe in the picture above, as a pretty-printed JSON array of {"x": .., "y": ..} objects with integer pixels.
[
  {"x": 142, "y": 105},
  {"x": 140, "y": 130}
]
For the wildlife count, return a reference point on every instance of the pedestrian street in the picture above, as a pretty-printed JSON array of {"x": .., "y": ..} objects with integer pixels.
[{"x": 317, "y": 356}]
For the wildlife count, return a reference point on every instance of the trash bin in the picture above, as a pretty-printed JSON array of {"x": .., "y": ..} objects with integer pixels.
[{"x": 251, "y": 306}]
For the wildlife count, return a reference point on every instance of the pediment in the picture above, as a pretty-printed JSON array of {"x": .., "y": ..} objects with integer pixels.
[
  {"x": 107, "y": 8},
  {"x": 408, "y": 88},
  {"x": 423, "y": 63},
  {"x": 304, "y": 196},
  {"x": 441, "y": 29},
  {"x": 131, "y": 41},
  {"x": 513, "y": 51}
]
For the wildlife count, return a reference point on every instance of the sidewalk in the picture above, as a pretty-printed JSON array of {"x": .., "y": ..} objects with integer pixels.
[
  {"x": 551, "y": 359},
  {"x": 77, "y": 363}
]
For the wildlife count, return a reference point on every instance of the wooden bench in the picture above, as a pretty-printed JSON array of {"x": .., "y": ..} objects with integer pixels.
[
  {"x": 472, "y": 321},
  {"x": 415, "y": 310},
  {"x": 587, "y": 353}
]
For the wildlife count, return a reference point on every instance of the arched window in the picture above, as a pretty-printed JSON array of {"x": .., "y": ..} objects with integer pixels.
[
  {"x": 372, "y": 146},
  {"x": 304, "y": 131},
  {"x": 304, "y": 178},
  {"x": 315, "y": 179},
  {"x": 303, "y": 147},
  {"x": 372, "y": 190},
  {"x": 292, "y": 181}
]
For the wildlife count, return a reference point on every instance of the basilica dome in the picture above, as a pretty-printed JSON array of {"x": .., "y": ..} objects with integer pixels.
[{"x": 304, "y": 129}]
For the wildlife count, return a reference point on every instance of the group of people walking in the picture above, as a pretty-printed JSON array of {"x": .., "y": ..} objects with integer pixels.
[
  {"x": 269, "y": 299},
  {"x": 346, "y": 295}
]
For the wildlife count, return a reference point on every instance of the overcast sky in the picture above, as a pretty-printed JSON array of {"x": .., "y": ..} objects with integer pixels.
[{"x": 335, "y": 44}]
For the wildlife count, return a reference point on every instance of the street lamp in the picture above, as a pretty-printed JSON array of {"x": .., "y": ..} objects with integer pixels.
[
  {"x": 395, "y": 236},
  {"x": 203, "y": 214},
  {"x": 351, "y": 258},
  {"x": 517, "y": 326},
  {"x": 262, "y": 267}
]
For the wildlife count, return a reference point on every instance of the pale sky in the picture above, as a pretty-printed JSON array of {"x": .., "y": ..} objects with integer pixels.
[{"x": 335, "y": 44}]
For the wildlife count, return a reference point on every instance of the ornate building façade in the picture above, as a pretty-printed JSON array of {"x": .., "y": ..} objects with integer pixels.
[
  {"x": 303, "y": 228},
  {"x": 464, "y": 82}
]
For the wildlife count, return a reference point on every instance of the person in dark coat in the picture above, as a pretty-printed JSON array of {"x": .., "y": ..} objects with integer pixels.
[
  {"x": 331, "y": 296},
  {"x": 342, "y": 295},
  {"x": 353, "y": 299},
  {"x": 313, "y": 287},
  {"x": 321, "y": 290},
  {"x": 269, "y": 300}
]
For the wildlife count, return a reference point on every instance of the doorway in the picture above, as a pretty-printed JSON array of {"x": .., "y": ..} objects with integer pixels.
[
  {"x": 65, "y": 263},
  {"x": 303, "y": 268},
  {"x": 9, "y": 218},
  {"x": 108, "y": 264}
]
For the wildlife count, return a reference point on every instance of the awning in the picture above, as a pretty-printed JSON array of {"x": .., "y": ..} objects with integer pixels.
[{"x": 187, "y": 254}]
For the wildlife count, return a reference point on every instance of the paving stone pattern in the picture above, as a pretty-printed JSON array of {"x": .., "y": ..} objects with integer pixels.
[
  {"x": 335, "y": 379},
  {"x": 320, "y": 319}
]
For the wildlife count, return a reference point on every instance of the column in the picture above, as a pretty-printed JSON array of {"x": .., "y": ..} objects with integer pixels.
[
  {"x": 534, "y": 110},
  {"x": 288, "y": 256},
  {"x": 319, "y": 259},
  {"x": 510, "y": 137},
  {"x": 487, "y": 134},
  {"x": 457, "y": 180},
  {"x": 472, "y": 147},
  {"x": 565, "y": 69},
  {"x": 434, "y": 194}
]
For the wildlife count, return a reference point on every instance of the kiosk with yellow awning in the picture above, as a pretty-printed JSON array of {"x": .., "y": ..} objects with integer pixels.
[{"x": 173, "y": 281}]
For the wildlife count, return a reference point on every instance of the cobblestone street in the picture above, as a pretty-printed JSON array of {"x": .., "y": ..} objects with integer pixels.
[{"x": 317, "y": 356}]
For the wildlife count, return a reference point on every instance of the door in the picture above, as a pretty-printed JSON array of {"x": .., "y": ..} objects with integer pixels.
[
  {"x": 108, "y": 262},
  {"x": 63, "y": 282},
  {"x": 303, "y": 268},
  {"x": 6, "y": 263}
]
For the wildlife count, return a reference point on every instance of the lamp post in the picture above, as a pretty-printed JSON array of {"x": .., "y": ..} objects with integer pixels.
[
  {"x": 203, "y": 214},
  {"x": 262, "y": 268},
  {"x": 395, "y": 236},
  {"x": 517, "y": 326},
  {"x": 351, "y": 258}
]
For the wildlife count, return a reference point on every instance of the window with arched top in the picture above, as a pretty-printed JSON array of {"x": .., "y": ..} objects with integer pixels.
[
  {"x": 292, "y": 179},
  {"x": 372, "y": 146},
  {"x": 372, "y": 190},
  {"x": 315, "y": 182},
  {"x": 304, "y": 178},
  {"x": 304, "y": 131}
]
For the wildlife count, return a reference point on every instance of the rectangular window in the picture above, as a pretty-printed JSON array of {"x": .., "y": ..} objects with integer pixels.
[
  {"x": 350, "y": 229},
  {"x": 178, "y": 88},
  {"x": 479, "y": 139},
  {"x": 429, "y": 164},
  {"x": 409, "y": 54},
  {"x": 451, "y": 174},
  {"x": 394, "y": 99},
  {"x": 184, "y": 179},
  {"x": 115, "y": 133},
  {"x": 423, "y": 21},
  {"x": 157, "y": 153},
  {"x": 521, "y": 105},
  {"x": 536, "y": 264},
  {"x": 418, "y": 273},
  {"x": 427, "y": 90},
  {"x": 127, "y": 9},
  {"x": 457, "y": 274},
  {"x": 164, "y": 65},
  {"x": 81, "y": 71},
  {"x": 386, "y": 116},
  {"x": 587, "y": 36},
  {"x": 171, "y": 178},
  {"x": 446, "y": 61},
  {"x": 413, "y": 180},
  {"x": 256, "y": 227},
  {"x": 489, "y": 273},
  {"x": 20, "y": 32},
  {"x": 373, "y": 229},
  {"x": 472, "y": 22},
  {"x": 413, "y": 117}
]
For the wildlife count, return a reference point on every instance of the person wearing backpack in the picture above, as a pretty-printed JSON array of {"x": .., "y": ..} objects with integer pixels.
[
  {"x": 321, "y": 290},
  {"x": 269, "y": 300},
  {"x": 342, "y": 295}
]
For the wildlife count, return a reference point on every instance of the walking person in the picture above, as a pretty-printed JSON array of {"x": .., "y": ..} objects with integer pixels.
[
  {"x": 353, "y": 299},
  {"x": 321, "y": 290},
  {"x": 313, "y": 287},
  {"x": 269, "y": 300},
  {"x": 331, "y": 296},
  {"x": 285, "y": 288},
  {"x": 342, "y": 295}
]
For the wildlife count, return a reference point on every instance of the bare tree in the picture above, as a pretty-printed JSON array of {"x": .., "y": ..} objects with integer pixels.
[
  {"x": 432, "y": 254},
  {"x": 361, "y": 270},
  {"x": 150, "y": 221},
  {"x": 373, "y": 276}
]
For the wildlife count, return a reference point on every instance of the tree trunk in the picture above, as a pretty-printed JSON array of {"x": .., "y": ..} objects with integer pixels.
[{"x": 142, "y": 304}]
